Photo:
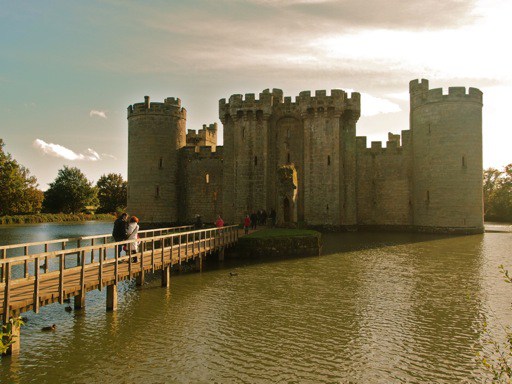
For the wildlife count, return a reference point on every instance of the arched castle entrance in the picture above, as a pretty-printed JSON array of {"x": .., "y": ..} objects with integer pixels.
[
  {"x": 287, "y": 194},
  {"x": 286, "y": 210}
]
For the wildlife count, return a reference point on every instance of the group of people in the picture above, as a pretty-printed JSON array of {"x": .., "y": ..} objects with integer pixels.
[
  {"x": 259, "y": 218},
  {"x": 198, "y": 223},
  {"x": 126, "y": 228}
]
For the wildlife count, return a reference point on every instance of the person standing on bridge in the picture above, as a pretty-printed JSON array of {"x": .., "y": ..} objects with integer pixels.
[
  {"x": 219, "y": 223},
  {"x": 133, "y": 234},
  {"x": 120, "y": 231}
]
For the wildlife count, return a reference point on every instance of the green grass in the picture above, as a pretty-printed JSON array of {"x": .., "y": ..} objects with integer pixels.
[{"x": 282, "y": 232}]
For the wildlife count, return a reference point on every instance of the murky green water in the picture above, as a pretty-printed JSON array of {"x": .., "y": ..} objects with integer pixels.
[{"x": 375, "y": 308}]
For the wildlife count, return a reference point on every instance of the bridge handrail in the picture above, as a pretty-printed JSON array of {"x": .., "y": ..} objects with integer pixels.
[
  {"x": 16, "y": 260},
  {"x": 73, "y": 239}
]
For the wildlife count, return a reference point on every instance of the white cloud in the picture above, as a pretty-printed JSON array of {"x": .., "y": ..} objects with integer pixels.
[
  {"x": 109, "y": 156},
  {"x": 94, "y": 112},
  {"x": 371, "y": 105},
  {"x": 57, "y": 150},
  {"x": 403, "y": 96}
]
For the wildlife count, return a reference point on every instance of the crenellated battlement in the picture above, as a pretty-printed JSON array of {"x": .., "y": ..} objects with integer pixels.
[
  {"x": 421, "y": 94},
  {"x": 394, "y": 144},
  {"x": 269, "y": 101},
  {"x": 202, "y": 152},
  {"x": 207, "y": 136},
  {"x": 171, "y": 106}
]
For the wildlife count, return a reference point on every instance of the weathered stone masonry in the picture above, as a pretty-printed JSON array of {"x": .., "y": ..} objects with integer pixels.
[{"x": 303, "y": 159}]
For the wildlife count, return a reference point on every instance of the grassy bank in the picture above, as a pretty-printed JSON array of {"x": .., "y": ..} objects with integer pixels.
[
  {"x": 52, "y": 218},
  {"x": 282, "y": 232}
]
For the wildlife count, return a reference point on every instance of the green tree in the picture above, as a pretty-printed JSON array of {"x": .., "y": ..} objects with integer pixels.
[
  {"x": 497, "y": 189},
  {"x": 18, "y": 190},
  {"x": 71, "y": 192},
  {"x": 111, "y": 192}
]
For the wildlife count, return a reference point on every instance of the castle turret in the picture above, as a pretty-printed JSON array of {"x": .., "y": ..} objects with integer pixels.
[
  {"x": 447, "y": 157},
  {"x": 155, "y": 133}
]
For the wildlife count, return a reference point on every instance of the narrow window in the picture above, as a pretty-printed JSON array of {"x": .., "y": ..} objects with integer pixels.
[
  {"x": 429, "y": 131},
  {"x": 428, "y": 196},
  {"x": 160, "y": 163},
  {"x": 288, "y": 133},
  {"x": 463, "y": 161},
  {"x": 207, "y": 178},
  {"x": 255, "y": 160},
  {"x": 288, "y": 158},
  {"x": 157, "y": 191},
  {"x": 328, "y": 160},
  {"x": 327, "y": 207}
]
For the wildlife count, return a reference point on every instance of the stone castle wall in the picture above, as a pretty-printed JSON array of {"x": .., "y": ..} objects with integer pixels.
[
  {"x": 200, "y": 184},
  {"x": 430, "y": 177},
  {"x": 384, "y": 182}
]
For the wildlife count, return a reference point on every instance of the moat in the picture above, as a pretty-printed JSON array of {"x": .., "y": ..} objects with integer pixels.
[{"x": 375, "y": 307}]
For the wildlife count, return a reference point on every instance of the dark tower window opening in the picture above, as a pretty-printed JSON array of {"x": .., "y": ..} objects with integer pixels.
[
  {"x": 327, "y": 207},
  {"x": 328, "y": 159},
  {"x": 160, "y": 163},
  {"x": 428, "y": 196},
  {"x": 255, "y": 160},
  {"x": 463, "y": 161},
  {"x": 157, "y": 191},
  {"x": 429, "y": 131},
  {"x": 288, "y": 158}
]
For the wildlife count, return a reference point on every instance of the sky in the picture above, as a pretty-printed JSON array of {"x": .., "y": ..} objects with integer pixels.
[{"x": 69, "y": 69}]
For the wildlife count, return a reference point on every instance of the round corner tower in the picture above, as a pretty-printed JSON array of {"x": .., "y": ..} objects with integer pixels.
[
  {"x": 447, "y": 157},
  {"x": 155, "y": 133}
]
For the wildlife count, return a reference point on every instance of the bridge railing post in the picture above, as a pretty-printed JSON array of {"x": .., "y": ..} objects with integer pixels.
[
  {"x": 25, "y": 253},
  {"x": 3, "y": 255},
  {"x": 61, "y": 277},
  {"x": 7, "y": 293},
  {"x": 36, "y": 285}
]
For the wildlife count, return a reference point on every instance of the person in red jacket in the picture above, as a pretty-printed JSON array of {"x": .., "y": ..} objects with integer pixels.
[
  {"x": 247, "y": 224},
  {"x": 219, "y": 223}
]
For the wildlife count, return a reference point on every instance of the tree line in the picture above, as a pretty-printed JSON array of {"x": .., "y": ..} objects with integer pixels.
[
  {"x": 498, "y": 194},
  {"x": 71, "y": 192}
]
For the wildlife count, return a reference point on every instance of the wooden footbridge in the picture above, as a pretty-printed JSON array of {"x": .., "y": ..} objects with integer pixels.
[{"x": 36, "y": 274}]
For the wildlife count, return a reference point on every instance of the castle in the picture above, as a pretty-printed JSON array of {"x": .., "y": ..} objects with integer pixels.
[{"x": 303, "y": 159}]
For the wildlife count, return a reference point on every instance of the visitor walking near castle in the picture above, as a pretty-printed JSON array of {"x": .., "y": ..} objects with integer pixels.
[
  {"x": 263, "y": 217},
  {"x": 247, "y": 224},
  {"x": 133, "y": 234},
  {"x": 199, "y": 222},
  {"x": 120, "y": 231},
  {"x": 254, "y": 220},
  {"x": 219, "y": 223},
  {"x": 272, "y": 218}
]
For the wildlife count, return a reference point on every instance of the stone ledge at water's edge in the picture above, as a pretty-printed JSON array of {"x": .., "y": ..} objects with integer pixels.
[{"x": 280, "y": 243}]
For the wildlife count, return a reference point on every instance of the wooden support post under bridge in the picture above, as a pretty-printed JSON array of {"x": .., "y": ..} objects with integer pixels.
[{"x": 112, "y": 297}]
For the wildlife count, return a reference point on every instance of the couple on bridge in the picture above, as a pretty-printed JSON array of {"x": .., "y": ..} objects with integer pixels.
[{"x": 125, "y": 229}]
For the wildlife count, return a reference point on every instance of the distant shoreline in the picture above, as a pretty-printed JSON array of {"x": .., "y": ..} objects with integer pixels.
[{"x": 53, "y": 218}]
